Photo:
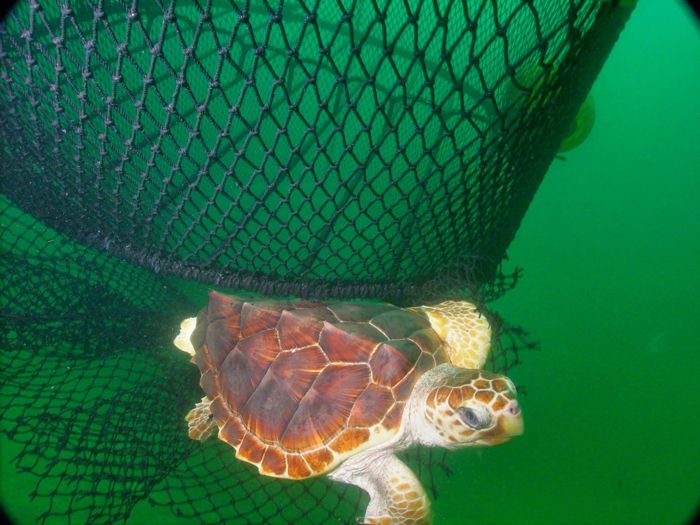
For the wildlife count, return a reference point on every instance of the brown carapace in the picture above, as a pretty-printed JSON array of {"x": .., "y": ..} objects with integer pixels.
[{"x": 296, "y": 387}]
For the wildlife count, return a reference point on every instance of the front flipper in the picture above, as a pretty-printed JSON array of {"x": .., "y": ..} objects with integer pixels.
[
  {"x": 182, "y": 341},
  {"x": 396, "y": 497},
  {"x": 465, "y": 331},
  {"x": 200, "y": 420}
]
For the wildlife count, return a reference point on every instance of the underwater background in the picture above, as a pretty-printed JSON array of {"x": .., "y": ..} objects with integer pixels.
[{"x": 610, "y": 248}]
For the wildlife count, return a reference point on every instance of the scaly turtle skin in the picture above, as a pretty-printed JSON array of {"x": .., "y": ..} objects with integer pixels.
[{"x": 301, "y": 389}]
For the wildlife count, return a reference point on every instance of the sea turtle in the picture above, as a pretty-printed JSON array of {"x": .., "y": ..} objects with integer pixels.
[{"x": 301, "y": 389}]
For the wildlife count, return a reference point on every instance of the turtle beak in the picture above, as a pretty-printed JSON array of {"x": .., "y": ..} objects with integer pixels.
[
  {"x": 510, "y": 424},
  {"x": 511, "y": 421}
]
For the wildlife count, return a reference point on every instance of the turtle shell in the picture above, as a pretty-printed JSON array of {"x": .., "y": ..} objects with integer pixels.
[{"x": 297, "y": 387}]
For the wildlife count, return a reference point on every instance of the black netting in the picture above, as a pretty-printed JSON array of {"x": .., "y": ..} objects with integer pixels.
[
  {"x": 323, "y": 149},
  {"x": 316, "y": 148},
  {"x": 95, "y": 393},
  {"x": 83, "y": 348}
]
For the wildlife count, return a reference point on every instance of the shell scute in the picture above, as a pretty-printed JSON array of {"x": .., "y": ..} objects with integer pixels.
[
  {"x": 273, "y": 403},
  {"x": 208, "y": 383},
  {"x": 325, "y": 408},
  {"x": 201, "y": 358},
  {"x": 371, "y": 406},
  {"x": 318, "y": 460},
  {"x": 410, "y": 350},
  {"x": 232, "y": 432},
  {"x": 318, "y": 313},
  {"x": 424, "y": 363},
  {"x": 297, "y": 331},
  {"x": 297, "y": 467},
  {"x": 274, "y": 462},
  {"x": 221, "y": 305},
  {"x": 256, "y": 318},
  {"x": 251, "y": 449},
  {"x": 243, "y": 369},
  {"x": 350, "y": 440},
  {"x": 427, "y": 340},
  {"x": 392, "y": 421},
  {"x": 348, "y": 342},
  {"x": 400, "y": 324},
  {"x": 389, "y": 365},
  {"x": 360, "y": 312},
  {"x": 404, "y": 387},
  {"x": 221, "y": 338}
]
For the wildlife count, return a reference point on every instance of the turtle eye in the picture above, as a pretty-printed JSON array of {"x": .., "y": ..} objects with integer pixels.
[{"x": 473, "y": 418}]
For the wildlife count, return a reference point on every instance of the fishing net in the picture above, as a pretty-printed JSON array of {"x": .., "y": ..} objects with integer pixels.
[
  {"x": 321, "y": 149},
  {"x": 95, "y": 393}
]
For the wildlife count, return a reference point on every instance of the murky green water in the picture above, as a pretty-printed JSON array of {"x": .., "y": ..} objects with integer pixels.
[{"x": 611, "y": 251}]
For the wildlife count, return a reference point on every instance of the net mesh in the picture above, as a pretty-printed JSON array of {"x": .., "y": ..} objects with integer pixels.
[
  {"x": 311, "y": 148},
  {"x": 320, "y": 149},
  {"x": 84, "y": 350}
]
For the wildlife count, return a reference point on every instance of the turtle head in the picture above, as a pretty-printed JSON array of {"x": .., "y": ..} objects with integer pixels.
[{"x": 472, "y": 408}]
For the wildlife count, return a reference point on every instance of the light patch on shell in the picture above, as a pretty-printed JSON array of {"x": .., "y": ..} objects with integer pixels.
[
  {"x": 182, "y": 341},
  {"x": 377, "y": 435},
  {"x": 465, "y": 331}
]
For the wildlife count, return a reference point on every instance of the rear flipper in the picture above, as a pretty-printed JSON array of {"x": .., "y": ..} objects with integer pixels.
[
  {"x": 200, "y": 421},
  {"x": 396, "y": 497}
]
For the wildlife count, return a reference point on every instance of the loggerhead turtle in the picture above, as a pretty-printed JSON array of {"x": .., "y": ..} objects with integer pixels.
[{"x": 301, "y": 389}]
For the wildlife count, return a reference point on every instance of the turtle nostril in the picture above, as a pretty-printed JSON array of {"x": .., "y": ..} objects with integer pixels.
[{"x": 513, "y": 408}]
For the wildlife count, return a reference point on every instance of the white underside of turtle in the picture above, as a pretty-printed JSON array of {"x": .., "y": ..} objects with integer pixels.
[{"x": 451, "y": 404}]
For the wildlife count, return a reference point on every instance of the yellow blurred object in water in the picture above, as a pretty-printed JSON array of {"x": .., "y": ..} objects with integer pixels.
[{"x": 581, "y": 126}]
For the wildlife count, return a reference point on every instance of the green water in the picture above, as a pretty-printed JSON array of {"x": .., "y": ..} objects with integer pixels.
[{"x": 610, "y": 248}]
